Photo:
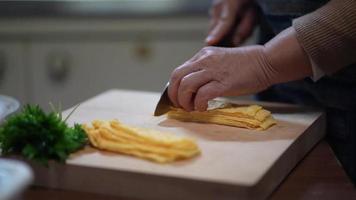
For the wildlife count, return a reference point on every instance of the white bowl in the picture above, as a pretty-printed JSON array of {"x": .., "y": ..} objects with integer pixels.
[
  {"x": 15, "y": 176},
  {"x": 8, "y": 105}
]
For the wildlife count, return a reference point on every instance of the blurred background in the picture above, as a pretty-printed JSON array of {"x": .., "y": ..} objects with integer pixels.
[{"x": 67, "y": 51}]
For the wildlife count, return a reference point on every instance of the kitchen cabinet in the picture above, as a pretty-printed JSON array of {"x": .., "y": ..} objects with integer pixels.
[
  {"x": 13, "y": 70},
  {"x": 68, "y": 60},
  {"x": 71, "y": 71}
]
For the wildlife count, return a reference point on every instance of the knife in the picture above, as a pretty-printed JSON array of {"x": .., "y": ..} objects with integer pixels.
[{"x": 164, "y": 103}]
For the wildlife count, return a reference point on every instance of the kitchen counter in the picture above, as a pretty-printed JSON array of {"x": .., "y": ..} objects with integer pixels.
[{"x": 317, "y": 176}]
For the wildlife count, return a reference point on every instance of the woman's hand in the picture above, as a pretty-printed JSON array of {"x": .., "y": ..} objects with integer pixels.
[
  {"x": 216, "y": 71},
  {"x": 224, "y": 14}
]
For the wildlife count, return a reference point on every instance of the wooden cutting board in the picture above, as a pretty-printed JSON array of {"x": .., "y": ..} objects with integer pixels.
[{"x": 235, "y": 163}]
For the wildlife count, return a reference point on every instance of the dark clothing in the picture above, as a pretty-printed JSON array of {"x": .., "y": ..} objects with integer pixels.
[{"x": 336, "y": 93}]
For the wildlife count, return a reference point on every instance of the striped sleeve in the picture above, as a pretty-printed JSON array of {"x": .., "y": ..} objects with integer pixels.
[{"x": 328, "y": 35}]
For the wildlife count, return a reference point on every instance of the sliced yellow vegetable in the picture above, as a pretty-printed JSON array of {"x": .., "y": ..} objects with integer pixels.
[
  {"x": 140, "y": 142},
  {"x": 251, "y": 117}
]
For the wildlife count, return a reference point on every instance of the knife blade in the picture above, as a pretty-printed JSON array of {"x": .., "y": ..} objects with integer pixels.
[{"x": 164, "y": 103}]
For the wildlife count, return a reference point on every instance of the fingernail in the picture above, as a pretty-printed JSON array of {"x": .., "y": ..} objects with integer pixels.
[{"x": 209, "y": 39}]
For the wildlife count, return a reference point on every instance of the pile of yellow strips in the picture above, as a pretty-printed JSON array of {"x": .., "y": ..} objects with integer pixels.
[
  {"x": 145, "y": 143},
  {"x": 250, "y": 117}
]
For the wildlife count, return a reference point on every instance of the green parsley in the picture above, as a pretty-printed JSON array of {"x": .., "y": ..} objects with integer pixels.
[{"x": 39, "y": 136}]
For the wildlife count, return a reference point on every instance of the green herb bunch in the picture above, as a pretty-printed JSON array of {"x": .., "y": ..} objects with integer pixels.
[{"x": 39, "y": 136}]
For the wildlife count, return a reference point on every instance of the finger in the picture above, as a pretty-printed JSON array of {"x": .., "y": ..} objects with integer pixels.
[
  {"x": 189, "y": 66},
  {"x": 189, "y": 86},
  {"x": 214, "y": 16},
  {"x": 176, "y": 77},
  {"x": 245, "y": 27},
  {"x": 207, "y": 92},
  {"x": 213, "y": 23},
  {"x": 222, "y": 27},
  {"x": 198, "y": 56},
  {"x": 202, "y": 54}
]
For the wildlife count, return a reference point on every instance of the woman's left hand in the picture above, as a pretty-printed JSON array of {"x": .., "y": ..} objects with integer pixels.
[{"x": 215, "y": 72}]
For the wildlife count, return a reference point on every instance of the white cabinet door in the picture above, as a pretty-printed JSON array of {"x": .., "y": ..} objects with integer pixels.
[
  {"x": 71, "y": 71},
  {"x": 12, "y": 70}
]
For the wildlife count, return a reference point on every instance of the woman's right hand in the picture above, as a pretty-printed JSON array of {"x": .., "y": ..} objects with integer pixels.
[{"x": 224, "y": 13}]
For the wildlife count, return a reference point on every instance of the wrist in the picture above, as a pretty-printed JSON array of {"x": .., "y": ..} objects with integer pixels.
[
  {"x": 260, "y": 65},
  {"x": 287, "y": 58}
]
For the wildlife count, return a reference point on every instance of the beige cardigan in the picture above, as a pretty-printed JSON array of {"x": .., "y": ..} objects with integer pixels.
[{"x": 328, "y": 35}]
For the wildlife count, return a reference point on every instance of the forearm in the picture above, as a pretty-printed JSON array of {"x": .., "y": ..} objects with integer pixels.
[{"x": 287, "y": 57}]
